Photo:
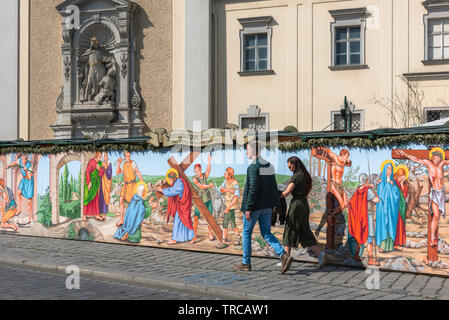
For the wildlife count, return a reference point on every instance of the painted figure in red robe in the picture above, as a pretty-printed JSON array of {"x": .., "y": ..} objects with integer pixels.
[
  {"x": 400, "y": 176},
  {"x": 179, "y": 207},
  {"x": 360, "y": 222},
  {"x": 94, "y": 172}
]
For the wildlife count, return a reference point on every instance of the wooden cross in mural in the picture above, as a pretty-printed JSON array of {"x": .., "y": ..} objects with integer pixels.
[
  {"x": 432, "y": 251},
  {"x": 323, "y": 154},
  {"x": 181, "y": 168}
]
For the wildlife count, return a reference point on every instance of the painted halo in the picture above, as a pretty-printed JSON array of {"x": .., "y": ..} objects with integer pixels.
[
  {"x": 387, "y": 162},
  {"x": 171, "y": 171},
  {"x": 407, "y": 171},
  {"x": 141, "y": 183},
  {"x": 437, "y": 150}
]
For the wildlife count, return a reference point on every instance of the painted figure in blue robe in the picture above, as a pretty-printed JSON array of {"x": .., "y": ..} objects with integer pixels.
[
  {"x": 179, "y": 206},
  {"x": 387, "y": 209},
  {"x": 135, "y": 214},
  {"x": 26, "y": 185}
]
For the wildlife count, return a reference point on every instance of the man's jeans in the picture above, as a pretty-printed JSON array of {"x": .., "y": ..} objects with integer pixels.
[{"x": 264, "y": 218}]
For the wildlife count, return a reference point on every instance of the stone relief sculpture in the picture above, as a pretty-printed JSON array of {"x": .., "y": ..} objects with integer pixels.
[
  {"x": 100, "y": 98},
  {"x": 99, "y": 85},
  {"x": 107, "y": 86}
]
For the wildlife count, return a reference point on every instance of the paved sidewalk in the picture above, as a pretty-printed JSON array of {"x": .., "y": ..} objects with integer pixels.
[
  {"x": 211, "y": 274},
  {"x": 18, "y": 283}
]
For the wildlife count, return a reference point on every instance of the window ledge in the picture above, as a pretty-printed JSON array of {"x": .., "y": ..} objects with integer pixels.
[
  {"x": 435, "y": 62},
  {"x": 350, "y": 67},
  {"x": 427, "y": 76},
  {"x": 255, "y": 73}
]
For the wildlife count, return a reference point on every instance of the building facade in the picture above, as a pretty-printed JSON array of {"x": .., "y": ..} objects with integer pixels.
[
  {"x": 45, "y": 77},
  {"x": 267, "y": 64},
  {"x": 298, "y": 59}
]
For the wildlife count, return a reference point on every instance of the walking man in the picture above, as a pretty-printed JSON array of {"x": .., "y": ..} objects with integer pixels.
[{"x": 260, "y": 196}]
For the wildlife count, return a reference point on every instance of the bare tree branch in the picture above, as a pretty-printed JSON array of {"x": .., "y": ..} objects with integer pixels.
[{"x": 405, "y": 110}]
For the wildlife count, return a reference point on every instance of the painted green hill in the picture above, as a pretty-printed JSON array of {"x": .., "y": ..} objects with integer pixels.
[{"x": 241, "y": 178}]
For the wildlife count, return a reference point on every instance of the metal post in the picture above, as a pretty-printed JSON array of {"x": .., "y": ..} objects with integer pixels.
[
  {"x": 346, "y": 114},
  {"x": 348, "y": 120}
]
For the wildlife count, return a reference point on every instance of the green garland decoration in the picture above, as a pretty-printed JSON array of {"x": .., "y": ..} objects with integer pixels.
[
  {"x": 303, "y": 142},
  {"x": 359, "y": 142},
  {"x": 60, "y": 148}
]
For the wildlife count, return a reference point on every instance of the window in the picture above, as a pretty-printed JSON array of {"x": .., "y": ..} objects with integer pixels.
[
  {"x": 433, "y": 114},
  {"x": 348, "y": 39},
  {"x": 436, "y": 32},
  {"x": 255, "y": 46},
  {"x": 338, "y": 123},
  {"x": 256, "y": 52},
  {"x": 438, "y": 39},
  {"x": 347, "y": 46}
]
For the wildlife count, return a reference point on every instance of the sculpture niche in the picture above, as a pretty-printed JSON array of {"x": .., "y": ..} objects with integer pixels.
[
  {"x": 97, "y": 75},
  {"x": 99, "y": 96}
]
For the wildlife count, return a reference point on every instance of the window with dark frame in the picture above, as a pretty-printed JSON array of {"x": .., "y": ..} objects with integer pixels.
[
  {"x": 438, "y": 39},
  {"x": 339, "y": 122},
  {"x": 436, "y": 114},
  {"x": 347, "y": 46},
  {"x": 256, "y": 52},
  {"x": 255, "y": 46},
  {"x": 436, "y": 32},
  {"x": 348, "y": 39}
]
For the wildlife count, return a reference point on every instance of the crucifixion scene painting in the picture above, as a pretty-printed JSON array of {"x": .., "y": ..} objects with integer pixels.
[{"x": 368, "y": 207}]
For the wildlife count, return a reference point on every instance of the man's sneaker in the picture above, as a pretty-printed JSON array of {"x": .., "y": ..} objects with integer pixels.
[
  {"x": 286, "y": 262},
  {"x": 242, "y": 267}
]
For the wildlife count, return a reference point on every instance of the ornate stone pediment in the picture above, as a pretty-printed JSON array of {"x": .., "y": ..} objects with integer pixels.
[
  {"x": 87, "y": 5},
  {"x": 255, "y": 119},
  {"x": 435, "y": 5},
  {"x": 98, "y": 63}
]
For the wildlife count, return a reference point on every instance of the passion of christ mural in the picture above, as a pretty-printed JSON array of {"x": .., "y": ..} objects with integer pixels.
[
  {"x": 99, "y": 96},
  {"x": 378, "y": 207}
]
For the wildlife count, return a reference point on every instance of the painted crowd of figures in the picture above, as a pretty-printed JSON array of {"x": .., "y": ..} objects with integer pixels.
[
  {"x": 8, "y": 206},
  {"x": 386, "y": 224},
  {"x": 141, "y": 201},
  {"x": 374, "y": 210}
]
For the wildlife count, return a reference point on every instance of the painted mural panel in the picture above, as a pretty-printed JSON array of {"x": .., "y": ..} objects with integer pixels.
[{"x": 383, "y": 207}]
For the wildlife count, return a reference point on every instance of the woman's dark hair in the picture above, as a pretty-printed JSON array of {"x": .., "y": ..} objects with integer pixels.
[{"x": 299, "y": 166}]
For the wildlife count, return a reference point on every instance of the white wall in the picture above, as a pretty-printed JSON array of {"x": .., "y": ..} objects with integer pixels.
[
  {"x": 9, "y": 35},
  {"x": 197, "y": 63}
]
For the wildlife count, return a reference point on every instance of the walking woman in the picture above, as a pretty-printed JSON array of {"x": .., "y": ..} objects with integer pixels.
[{"x": 297, "y": 229}]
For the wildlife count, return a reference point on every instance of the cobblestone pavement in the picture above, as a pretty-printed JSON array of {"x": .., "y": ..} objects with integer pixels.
[
  {"x": 211, "y": 275},
  {"x": 18, "y": 283}
]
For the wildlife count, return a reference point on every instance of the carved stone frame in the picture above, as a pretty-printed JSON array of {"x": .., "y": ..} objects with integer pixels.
[
  {"x": 254, "y": 112},
  {"x": 122, "y": 120}
]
